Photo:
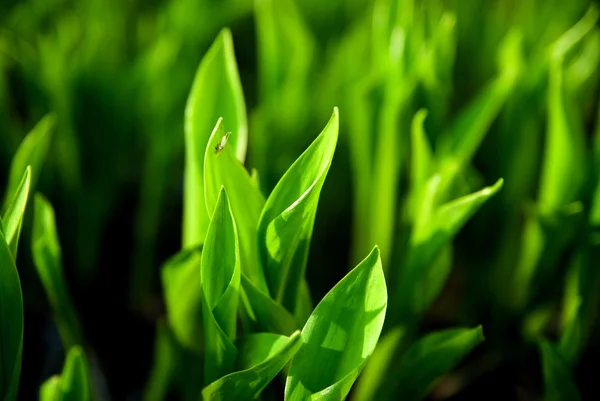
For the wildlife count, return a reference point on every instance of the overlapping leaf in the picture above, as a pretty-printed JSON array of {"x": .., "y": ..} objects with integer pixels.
[
  {"x": 286, "y": 224},
  {"x": 216, "y": 93},
  {"x": 220, "y": 290},
  {"x": 340, "y": 335},
  {"x": 13, "y": 217},
  {"x": 261, "y": 357},
  {"x": 47, "y": 258},
  {"x": 222, "y": 169}
]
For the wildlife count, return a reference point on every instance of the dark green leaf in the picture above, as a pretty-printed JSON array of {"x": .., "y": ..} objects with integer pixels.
[
  {"x": 558, "y": 381},
  {"x": 47, "y": 258},
  {"x": 11, "y": 324},
  {"x": 429, "y": 358}
]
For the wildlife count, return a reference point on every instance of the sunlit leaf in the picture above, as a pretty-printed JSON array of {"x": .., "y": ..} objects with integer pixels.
[
  {"x": 220, "y": 290},
  {"x": 286, "y": 223},
  {"x": 216, "y": 92},
  {"x": 47, "y": 258},
  {"x": 13, "y": 218},
  {"x": 32, "y": 152},
  {"x": 340, "y": 335},
  {"x": 261, "y": 357},
  {"x": 221, "y": 168},
  {"x": 11, "y": 324}
]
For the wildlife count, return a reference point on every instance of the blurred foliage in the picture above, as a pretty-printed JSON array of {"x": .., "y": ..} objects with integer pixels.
[{"x": 468, "y": 152}]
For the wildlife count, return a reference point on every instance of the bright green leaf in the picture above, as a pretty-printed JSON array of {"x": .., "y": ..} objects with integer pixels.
[
  {"x": 216, "y": 92},
  {"x": 220, "y": 290},
  {"x": 50, "y": 390},
  {"x": 340, "y": 335},
  {"x": 47, "y": 258},
  {"x": 558, "y": 381},
  {"x": 11, "y": 324},
  {"x": 221, "y": 168},
  {"x": 13, "y": 218},
  {"x": 163, "y": 365},
  {"x": 286, "y": 223},
  {"x": 32, "y": 152},
  {"x": 183, "y": 298},
  {"x": 261, "y": 357}
]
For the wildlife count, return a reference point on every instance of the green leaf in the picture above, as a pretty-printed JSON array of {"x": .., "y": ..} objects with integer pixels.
[
  {"x": 32, "y": 152},
  {"x": 13, "y": 218},
  {"x": 11, "y": 324},
  {"x": 558, "y": 381},
  {"x": 216, "y": 92},
  {"x": 286, "y": 223},
  {"x": 340, "y": 335},
  {"x": 163, "y": 365},
  {"x": 261, "y": 357},
  {"x": 222, "y": 169},
  {"x": 47, "y": 258},
  {"x": 428, "y": 359},
  {"x": 375, "y": 374},
  {"x": 565, "y": 142},
  {"x": 220, "y": 290},
  {"x": 74, "y": 384},
  {"x": 269, "y": 314},
  {"x": 183, "y": 298},
  {"x": 426, "y": 268},
  {"x": 75, "y": 379}
]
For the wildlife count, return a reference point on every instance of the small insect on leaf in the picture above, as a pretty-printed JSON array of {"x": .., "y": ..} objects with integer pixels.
[{"x": 221, "y": 145}]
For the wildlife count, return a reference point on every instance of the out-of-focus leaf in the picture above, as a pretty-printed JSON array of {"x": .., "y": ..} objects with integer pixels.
[
  {"x": 13, "y": 218},
  {"x": 286, "y": 223},
  {"x": 216, "y": 92},
  {"x": 163, "y": 366},
  {"x": 183, "y": 298},
  {"x": 222, "y": 169},
  {"x": 565, "y": 142},
  {"x": 340, "y": 335},
  {"x": 375, "y": 374},
  {"x": 558, "y": 382},
  {"x": 73, "y": 384},
  {"x": 220, "y": 290},
  {"x": 47, "y": 258},
  {"x": 428, "y": 359},
  {"x": 579, "y": 305},
  {"x": 11, "y": 324},
  {"x": 261, "y": 357},
  {"x": 424, "y": 273},
  {"x": 32, "y": 152}
]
